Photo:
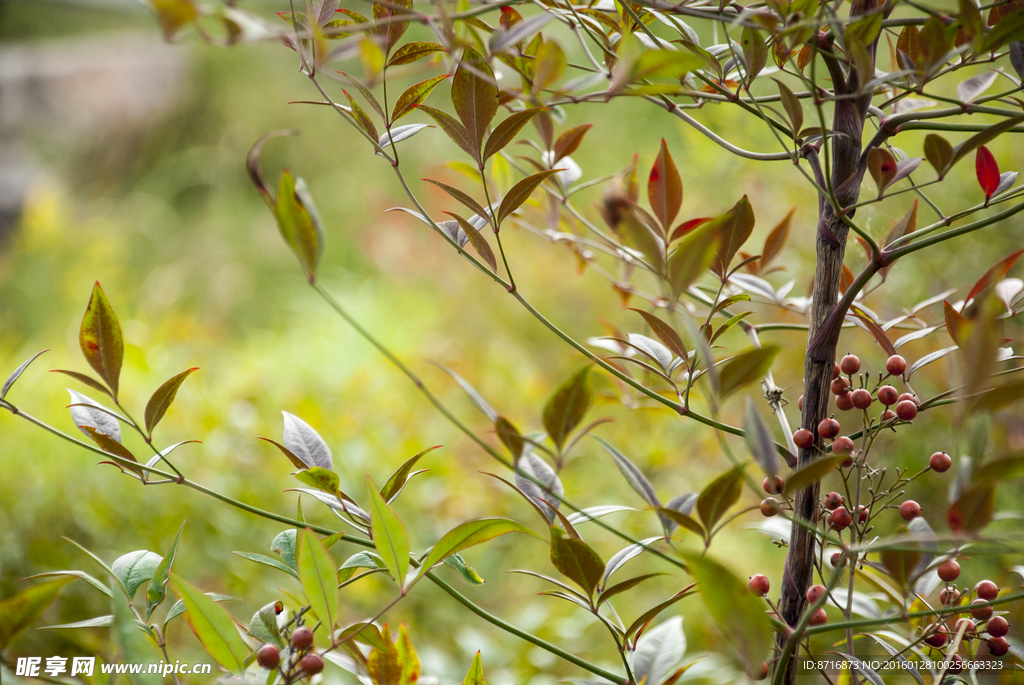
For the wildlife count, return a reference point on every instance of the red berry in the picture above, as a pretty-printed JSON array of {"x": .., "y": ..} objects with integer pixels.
[
  {"x": 772, "y": 484},
  {"x": 862, "y": 513},
  {"x": 815, "y": 592},
  {"x": 907, "y": 396},
  {"x": 769, "y": 507},
  {"x": 759, "y": 585},
  {"x": 849, "y": 364},
  {"x": 862, "y": 398},
  {"x": 841, "y": 519},
  {"x": 982, "y": 613},
  {"x": 836, "y": 370},
  {"x": 956, "y": 664},
  {"x": 987, "y": 590},
  {"x": 803, "y": 438},
  {"x": 846, "y": 463},
  {"x": 800, "y": 403},
  {"x": 949, "y": 570},
  {"x": 889, "y": 415},
  {"x": 998, "y": 646},
  {"x": 844, "y": 402},
  {"x": 836, "y": 559},
  {"x": 906, "y": 410},
  {"x": 896, "y": 365},
  {"x": 761, "y": 672},
  {"x": 940, "y": 462},
  {"x": 960, "y": 624},
  {"x": 842, "y": 445},
  {"x": 268, "y": 656},
  {"x": 828, "y": 428},
  {"x": 839, "y": 386},
  {"x": 311, "y": 664},
  {"x": 302, "y": 639},
  {"x": 997, "y": 626},
  {"x": 910, "y": 510},
  {"x": 938, "y": 638},
  {"x": 948, "y": 596},
  {"x": 833, "y": 501},
  {"x": 888, "y": 395},
  {"x": 819, "y": 618}
]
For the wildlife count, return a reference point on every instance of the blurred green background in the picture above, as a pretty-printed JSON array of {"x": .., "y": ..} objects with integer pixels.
[{"x": 130, "y": 153}]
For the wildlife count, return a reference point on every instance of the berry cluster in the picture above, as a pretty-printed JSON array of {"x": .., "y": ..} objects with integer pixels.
[
  {"x": 302, "y": 663},
  {"x": 983, "y": 624}
]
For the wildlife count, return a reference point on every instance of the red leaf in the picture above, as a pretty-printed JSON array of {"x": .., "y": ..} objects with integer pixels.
[
  {"x": 997, "y": 271},
  {"x": 955, "y": 322},
  {"x": 687, "y": 226},
  {"x": 988, "y": 171},
  {"x": 665, "y": 188}
]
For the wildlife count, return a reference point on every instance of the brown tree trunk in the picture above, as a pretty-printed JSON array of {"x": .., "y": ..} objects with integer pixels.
[{"x": 848, "y": 166}]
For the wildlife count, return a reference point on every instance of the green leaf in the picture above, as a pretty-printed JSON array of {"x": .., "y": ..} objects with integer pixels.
[
  {"x": 320, "y": 478},
  {"x": 100, "y": 339},
  {"x": 318, "y": 578},
  {"x": 475, "y": 674},
  {"x": 299, "y": 464},
  {"x": 135, "y": 568},
  {"x": 634, "y": 476},
  {"x": 263, "y": 625},
  {"x": 520, "y": 193},
  {"x": 510, "y": 437},
  {"x": 665, "y": 188},
  {"x": 414, "y": 51},
  {"x": 268, "y": 561},
  {"x": 132, "y": 640},
  {"x": 465, "y": 570},
  {"x": 549, "y": 65},
  {"x": 939, "y": 153},
  {"x": 285, "y": 543},
  {"x": 16, "y": 374},
  {"x": 469, "y": 534},
  {"x": 576, "y": 560},
  {"x": 567, "y": 406},
  {"x": 734, "y": 227},
  {"x": 389, "y": 536},
  {"x": 362, "y": 120},
  {"x": 213, "y": 625},
  {"x": 462, "y": 197},
  {"x": 718, "y": 497},
  {"x": 87, "y": 380},
  {"x": 20, "y": 610},
  {"x": 505, "y": 132},
  {"x": 96, "y": 583},
  {"x": 795, "y": 111},
  {"x": 161, "y": 400},
  {"x": 625, "y": 585},
  {"x": 812, "y": 472},
  {"x": 651, "y": 613},
  {"x": 746, "y": 367},
  {"x": 178, "y": 608},
  {"x": 157, "y": 585},
  {"x": 397, "y": 480},
  {"x": 475, "y": 397},
  {"x": 979, "y": 139},
  {"x": 684, "y": 520},
  {"x": 98, "y": 622},
  {"x": 737, "y": 613},
  {"x": 414, "y": 96},
  {"x": 659, "y": 651},
  {"x": 692, "y": 255},
  {"x": 475, "y": 97},
  {"x": 759, "y": 440},
  {"x": 299, "y": 223},
  {"x": 755, "y": 54}
]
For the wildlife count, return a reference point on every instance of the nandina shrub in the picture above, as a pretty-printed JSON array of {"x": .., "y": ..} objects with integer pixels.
[{"x": 703, "y": 296}]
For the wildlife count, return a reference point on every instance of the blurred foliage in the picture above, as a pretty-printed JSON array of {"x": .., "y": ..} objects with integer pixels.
[{"x": 165, "y": 217}]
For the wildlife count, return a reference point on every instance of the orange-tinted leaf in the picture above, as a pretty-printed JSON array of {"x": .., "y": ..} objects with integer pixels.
[
  {"x": 478, "y": 242},
  {"x": 973, "y": 510},
  {"x": 161, "y": 400},
  {"x": 505, "y": 132},
  {"x": 687, "y": 226},
  {"x": 995, "y": 272},
  {"x": 520, "y": 193},
  {"x": 879, "y": 334},
  {"x": 955, "y": 323},
  {"x": 568, "y": 141},
  {"x": 776, "y": 240},
  {"x": 882, "y": 166},
  {"x": 939, "y": 153},
  {"x": 100, "y": 339},
  {"x": 475, "y": 95},
  {"x": 734, "y": 227},
  {"x": 987, "y": 170},
  {"x": 459, "y": 134},
  {"x": 111, "y": 446},
  {"x": 665, "y": 188},
  {"x": 411, "y": 52},
  {"x": 665, "y": 333}
]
